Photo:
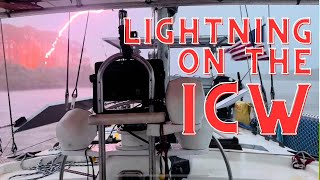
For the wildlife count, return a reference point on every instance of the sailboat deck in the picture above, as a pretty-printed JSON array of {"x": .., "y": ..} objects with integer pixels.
[
  {"x": 275, "y": 163},
  {"x": 244, "y": 166}
]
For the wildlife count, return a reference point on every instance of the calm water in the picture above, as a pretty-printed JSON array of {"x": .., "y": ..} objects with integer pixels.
[
  {"x": 27, "y": 103},
  {"x": 287, "y": 90}
]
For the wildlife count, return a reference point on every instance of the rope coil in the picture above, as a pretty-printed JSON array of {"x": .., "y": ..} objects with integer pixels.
[
  {"x": 44, "y": 170},
  {"x": 301, "y": 160}
]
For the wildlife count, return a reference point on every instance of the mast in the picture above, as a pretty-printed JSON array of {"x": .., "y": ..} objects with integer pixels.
[{"x": 163, "y": 49}]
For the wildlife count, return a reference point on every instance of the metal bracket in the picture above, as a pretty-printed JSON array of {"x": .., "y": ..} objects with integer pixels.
[{"x": 126, "y": 49}]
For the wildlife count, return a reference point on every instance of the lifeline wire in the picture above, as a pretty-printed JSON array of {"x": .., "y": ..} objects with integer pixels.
[
  {"x": 5, "y": 147},
  {"x": 14, "y": 147}
]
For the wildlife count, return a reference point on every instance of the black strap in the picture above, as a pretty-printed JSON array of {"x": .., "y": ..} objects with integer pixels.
[
  {"x": 138, "y": 137},
  {"x": 92, "y": 166},
  {"x": 298, "y": 2},
  {"x": 160, "y": 164},
  {"x": 1, "y": 146}
]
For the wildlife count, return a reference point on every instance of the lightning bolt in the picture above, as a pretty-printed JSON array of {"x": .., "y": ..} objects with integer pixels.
[{"x": 66, "y": 25}]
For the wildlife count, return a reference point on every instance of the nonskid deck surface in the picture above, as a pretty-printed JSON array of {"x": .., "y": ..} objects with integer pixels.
[
  {"x": 210, "y": 165},
  {"x": 246, "y": 164},
  {"x": 37, "y": 139},
  {"x": 46, "y": 135}
]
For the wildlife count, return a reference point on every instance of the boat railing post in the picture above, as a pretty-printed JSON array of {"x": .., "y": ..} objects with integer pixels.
[
  {"x": 102, "y": 154},
  {"x": 152, "y": 158}
]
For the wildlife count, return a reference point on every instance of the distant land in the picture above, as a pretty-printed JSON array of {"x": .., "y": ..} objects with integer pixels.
[
  {"x": 28, "y": 67},
  {"x": 21, "y": 78},
  {"x": 290, "y": 77}
]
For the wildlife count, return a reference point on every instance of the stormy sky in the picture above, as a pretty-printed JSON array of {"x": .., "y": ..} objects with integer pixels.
[{"x": 105, "y": 25}]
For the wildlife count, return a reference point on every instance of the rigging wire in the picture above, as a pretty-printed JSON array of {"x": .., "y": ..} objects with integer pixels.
[
  {"x": 279, "y": 136},
  {"x": 247, "y": 56},
  {"x": 68, "y": 62},
  {"x": 14, "y": 147},
  {"x": 4, "y": 149},
  {"x": 259, "y": 72},
  {"x": 75, "y": 91},
  {"x": 248, "y": 72},
  {"x": 272, "y": 92}
]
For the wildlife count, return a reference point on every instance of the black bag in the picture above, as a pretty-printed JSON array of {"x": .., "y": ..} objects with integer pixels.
[
  {"x": 180, "y": 168},
  {"x": 224, "y": 113}
]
